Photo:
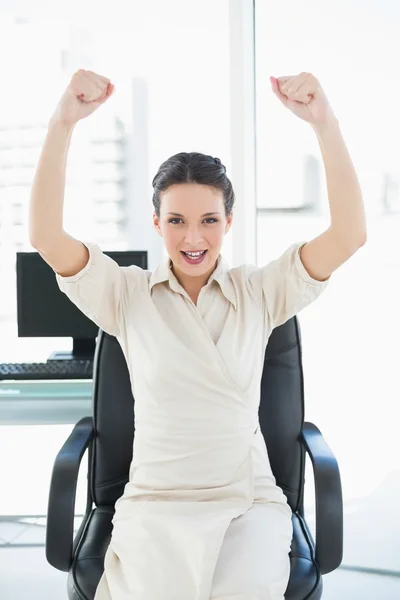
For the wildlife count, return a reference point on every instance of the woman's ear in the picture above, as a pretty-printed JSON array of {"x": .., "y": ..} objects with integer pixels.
[
  {"x": 156, "y": 223},
  {"x": 228, "y": 222}
]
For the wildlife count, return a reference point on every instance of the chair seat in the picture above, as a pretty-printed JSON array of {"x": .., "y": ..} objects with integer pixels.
[{"x": 88, "y": 565}]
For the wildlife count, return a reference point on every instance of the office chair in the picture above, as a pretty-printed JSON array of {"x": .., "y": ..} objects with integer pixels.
[{"x": 108, "y": 437}]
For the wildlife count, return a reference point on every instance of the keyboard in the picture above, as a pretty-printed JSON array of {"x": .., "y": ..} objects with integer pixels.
[{"x": 53, "y": 369}]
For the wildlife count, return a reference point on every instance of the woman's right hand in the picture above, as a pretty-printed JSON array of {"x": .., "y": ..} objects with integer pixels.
[{"x": 84, "y": 94}]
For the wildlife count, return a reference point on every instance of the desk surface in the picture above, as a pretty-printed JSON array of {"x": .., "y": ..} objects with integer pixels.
[
  {"x": 44, "y": 402},
  {"x": 62, "y": 388}
]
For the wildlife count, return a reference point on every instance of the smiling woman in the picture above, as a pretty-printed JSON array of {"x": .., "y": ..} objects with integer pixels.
[{"x": 194, "y": 332}]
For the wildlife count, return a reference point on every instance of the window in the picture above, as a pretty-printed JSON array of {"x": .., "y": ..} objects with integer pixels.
[
  {"x": 350, "y": 335},
  {"x": 156, "y": 112}
]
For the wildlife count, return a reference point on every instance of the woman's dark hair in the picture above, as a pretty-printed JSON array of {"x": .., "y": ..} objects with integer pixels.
[{"x": 193, "y": 167}]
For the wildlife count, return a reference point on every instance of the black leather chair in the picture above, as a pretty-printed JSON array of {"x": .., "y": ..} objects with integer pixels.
[{"x": 108, "y": 437}]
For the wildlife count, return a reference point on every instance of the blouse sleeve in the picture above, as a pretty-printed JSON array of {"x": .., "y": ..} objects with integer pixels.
[
  {"x": 285, "y": 286},
  {"x": 99, "y": 290}
]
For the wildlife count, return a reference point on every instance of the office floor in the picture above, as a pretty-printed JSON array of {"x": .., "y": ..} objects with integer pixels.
[{"x": 40, "y": 581}]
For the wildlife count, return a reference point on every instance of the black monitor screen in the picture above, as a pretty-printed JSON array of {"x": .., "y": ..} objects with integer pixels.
[{"x": 43, "y": 310}]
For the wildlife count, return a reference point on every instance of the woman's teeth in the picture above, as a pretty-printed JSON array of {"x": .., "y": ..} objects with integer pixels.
[{"x": 194, "y": 254}]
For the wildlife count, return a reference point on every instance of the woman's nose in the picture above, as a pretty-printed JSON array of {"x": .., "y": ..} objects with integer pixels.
[{"x": 193, "y": 237}]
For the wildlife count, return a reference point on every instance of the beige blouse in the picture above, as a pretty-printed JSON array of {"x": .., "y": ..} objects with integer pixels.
[{"x": 199, "y": 459}]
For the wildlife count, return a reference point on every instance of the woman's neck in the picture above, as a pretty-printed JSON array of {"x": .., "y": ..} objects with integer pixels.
[{"x": 192, "y": 285}]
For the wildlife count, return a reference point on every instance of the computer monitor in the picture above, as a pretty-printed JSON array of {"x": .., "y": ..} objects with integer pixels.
[{"x": 44, "y": 311}]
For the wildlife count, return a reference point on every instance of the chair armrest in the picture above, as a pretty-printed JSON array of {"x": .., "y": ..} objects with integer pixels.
[
  {"x": 328, "y": 500},
  {"x": 61, "y": 505}
]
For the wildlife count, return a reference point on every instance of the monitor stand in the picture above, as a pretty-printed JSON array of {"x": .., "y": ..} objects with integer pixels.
[{"x": 82, "y": 349}]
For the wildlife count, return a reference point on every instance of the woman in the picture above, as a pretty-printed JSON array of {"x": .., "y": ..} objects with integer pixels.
[{"x": 201, "y": 516}]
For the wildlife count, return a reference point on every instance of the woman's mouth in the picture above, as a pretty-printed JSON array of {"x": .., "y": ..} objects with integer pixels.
[{"x": 194, "y": 258}]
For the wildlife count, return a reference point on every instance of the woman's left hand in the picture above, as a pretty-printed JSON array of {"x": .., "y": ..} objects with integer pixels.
[{"x": 304, "y": 96}]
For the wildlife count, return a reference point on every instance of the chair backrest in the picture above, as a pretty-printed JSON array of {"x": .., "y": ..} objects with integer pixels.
[
  {"x": 281, "y": 416},
  {"x": 282, "y": 410}
]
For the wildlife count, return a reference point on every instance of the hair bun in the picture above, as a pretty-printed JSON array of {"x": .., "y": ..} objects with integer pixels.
[{"x": 219, "y": 163}]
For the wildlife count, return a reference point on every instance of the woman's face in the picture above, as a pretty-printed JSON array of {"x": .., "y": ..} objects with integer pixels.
[{"x": 192, "y": 219}]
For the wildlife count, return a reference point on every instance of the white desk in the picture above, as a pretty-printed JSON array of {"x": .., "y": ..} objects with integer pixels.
[{"x": 45, "y": 402}]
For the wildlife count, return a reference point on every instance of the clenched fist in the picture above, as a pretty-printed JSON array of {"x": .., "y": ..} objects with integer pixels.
[
  {"x": 304, "y": 96},
  {"x": 84, "y": 94}
]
